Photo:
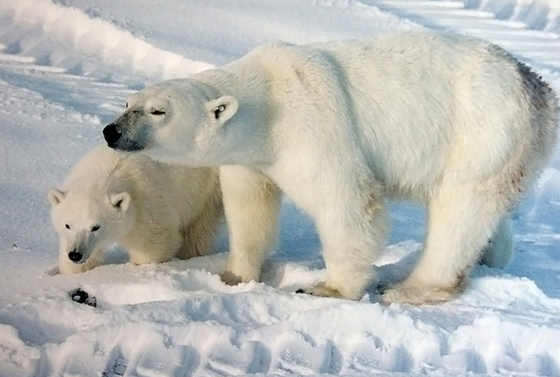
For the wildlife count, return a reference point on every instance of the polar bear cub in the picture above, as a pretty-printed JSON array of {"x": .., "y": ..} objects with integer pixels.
[
  {"x": 450, "y": 121},
  {"x": 155, "y": 211}
]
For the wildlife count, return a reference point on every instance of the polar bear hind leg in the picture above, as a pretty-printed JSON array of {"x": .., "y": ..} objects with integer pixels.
[
  {"x": 499, "y": 250},
  {"x": 461, "y": 220},
  {"x": 484, "y": 180}
]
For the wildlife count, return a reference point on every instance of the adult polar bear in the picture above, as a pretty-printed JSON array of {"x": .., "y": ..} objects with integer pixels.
[{"x": 451, "y": 121}]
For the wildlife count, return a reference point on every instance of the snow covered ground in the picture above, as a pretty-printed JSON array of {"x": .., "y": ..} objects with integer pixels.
[{"x": 66, "y": 68}]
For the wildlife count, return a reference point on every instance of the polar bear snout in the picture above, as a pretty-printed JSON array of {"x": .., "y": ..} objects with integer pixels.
[
  {"x": 75, "y": 256},
  {"x": 112, "y": 135},
  {"x": 123, "y": 139}
]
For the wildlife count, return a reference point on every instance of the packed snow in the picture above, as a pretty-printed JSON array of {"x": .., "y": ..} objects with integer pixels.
[{"x": 66, "y": 68}]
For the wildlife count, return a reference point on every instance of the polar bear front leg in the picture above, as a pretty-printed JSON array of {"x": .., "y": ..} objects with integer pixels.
[
  {"x": 461, "y": 220},
  {"x": 352, "y": 224},
  {"x": 156, "y": 245},
  {"x": 251, "y": 204}
]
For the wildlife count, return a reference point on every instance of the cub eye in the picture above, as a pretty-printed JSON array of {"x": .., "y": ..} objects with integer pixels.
[
  {"x": 95, "y": 228},
  {"x": 157, "y": 112},
  {"x": 67, "y": 226},
  {"x": 126, "y": 105}
]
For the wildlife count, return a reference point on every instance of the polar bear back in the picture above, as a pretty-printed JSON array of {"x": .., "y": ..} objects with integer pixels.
[{"x": 407, "y": 97}]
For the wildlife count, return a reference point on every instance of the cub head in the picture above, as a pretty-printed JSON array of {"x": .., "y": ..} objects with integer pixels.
[
  {"x": 86, "y": 223},
  {"x": 177, "y": 121}
]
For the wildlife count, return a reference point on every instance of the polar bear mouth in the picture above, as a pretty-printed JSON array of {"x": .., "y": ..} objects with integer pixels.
[{"x": 129, "y": 146}]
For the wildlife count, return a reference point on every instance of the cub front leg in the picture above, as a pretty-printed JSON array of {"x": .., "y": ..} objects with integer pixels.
[
  {"x": 155, "y": 246},
  {"x": 251, "y": 204}
]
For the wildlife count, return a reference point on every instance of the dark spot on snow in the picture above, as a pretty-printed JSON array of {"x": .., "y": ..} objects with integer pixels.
[{"x": 82, "y": 297}]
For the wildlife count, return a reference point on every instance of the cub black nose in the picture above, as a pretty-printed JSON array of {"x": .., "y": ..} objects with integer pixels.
[
  {"x": 111, "y": 134},
  {"x": 74, "y": 256}
]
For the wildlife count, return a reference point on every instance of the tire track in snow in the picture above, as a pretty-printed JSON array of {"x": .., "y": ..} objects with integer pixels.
[
  {"x": 535, "y": 14},
  {"x": 540, "y": 48},
  {"x": 210, "y": 334}
]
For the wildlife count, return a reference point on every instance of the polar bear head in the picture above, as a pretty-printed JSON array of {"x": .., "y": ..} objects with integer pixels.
[
  {"x": 181, "y": 121},
  {"x": 88, "y": 220}
]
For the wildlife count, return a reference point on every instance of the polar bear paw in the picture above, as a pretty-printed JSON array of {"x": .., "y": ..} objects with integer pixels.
[
  {"x": 321, "y": 290},
  {"x": 324, "y": 290},
  {"x": 230, "y": 278},
  {"x": 419, "y": 294}
]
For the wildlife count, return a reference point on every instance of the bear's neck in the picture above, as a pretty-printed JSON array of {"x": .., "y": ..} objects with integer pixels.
[
  {"x": 235, "y": 80},
  {"x": 255, "y": 113}
]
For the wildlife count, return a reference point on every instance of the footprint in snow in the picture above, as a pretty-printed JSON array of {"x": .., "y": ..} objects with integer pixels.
[{"x": 82, "y": 297}]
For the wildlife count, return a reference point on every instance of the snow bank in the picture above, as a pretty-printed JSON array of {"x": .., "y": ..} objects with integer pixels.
[{"x": 54, "y": 34}]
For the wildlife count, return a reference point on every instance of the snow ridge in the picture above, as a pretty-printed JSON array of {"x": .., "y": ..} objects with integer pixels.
[{"x": 67, "y": 38}]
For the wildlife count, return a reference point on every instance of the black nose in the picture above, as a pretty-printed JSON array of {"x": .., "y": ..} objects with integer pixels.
[
  {"x": 74, "y": 256},
  {"x": 112, "y": 135}
]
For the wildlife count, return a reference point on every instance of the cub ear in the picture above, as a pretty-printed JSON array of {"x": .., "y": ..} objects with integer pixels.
[
  {"x": 120, "y": 201},
  {"x": 222, "y": 109},
  {"x": 55, "y": 196}
]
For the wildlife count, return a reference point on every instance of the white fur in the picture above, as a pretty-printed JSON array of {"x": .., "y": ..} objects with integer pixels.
[
  {"x": 155, "y": 211},
  {"x": 450, "y": 121}
]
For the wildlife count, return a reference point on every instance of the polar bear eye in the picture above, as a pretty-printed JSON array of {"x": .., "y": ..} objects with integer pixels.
[
  {"x": 157, "y": 112},
  {"x": 67, "y": 226},
  {"x": 95, "y": 228},
  {"x": 126, "y": 105}
]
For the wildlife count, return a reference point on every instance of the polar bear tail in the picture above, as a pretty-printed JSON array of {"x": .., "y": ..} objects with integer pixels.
[{"x": 545, "y": 108}]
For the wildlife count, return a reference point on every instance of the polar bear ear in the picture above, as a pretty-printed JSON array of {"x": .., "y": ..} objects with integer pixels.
[
  {"x": 120, "y": 201},
  {"x": 55, "y": 196},
  {"x": 222, "y": 109}
]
